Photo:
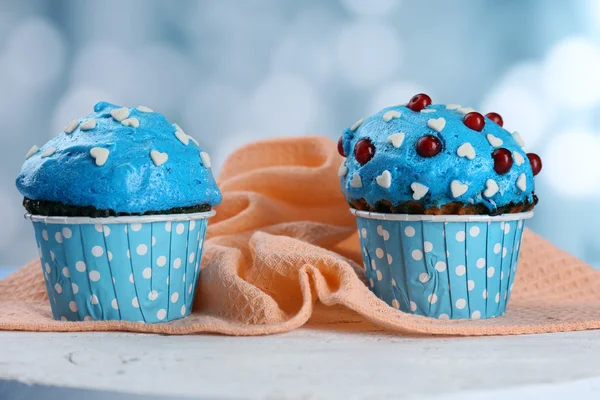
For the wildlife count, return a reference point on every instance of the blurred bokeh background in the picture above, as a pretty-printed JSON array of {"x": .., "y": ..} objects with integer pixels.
[{"x": 233, "y": 71}]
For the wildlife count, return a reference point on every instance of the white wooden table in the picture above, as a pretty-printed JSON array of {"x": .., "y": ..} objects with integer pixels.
[{"x": 305, "y": 364}]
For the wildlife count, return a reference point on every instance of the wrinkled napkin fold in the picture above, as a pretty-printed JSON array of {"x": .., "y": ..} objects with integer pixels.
[{"x": 283, "y": 250}]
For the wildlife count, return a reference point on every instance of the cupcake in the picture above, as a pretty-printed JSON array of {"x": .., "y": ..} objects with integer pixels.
[
  {"x": 120, "y": 203},
  {"x": 441, "y": 193}
]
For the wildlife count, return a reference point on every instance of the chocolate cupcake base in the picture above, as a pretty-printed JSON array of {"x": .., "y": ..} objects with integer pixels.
[
  {"x": 455, "y": 208},
  {"x": 56, "y": 209}
]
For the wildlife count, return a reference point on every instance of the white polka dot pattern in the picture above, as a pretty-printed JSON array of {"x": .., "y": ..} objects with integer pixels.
[
  {"x": 443, "y": 270},
  {"x": 132, "y": 272}
]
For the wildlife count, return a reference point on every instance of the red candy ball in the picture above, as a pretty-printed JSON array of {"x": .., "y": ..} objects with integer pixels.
[
  {"x": 419, "y": 102},
  {"x": 429, "y": 146},
  {"x": 536, "y": 163},
  {"x": 474, "y": 120},
  {"x": 503, "y": 160},
  {"x": 496, "y": 118},
  {"x": 341, "y": 147},
  {"x": 364, "y": 151}
]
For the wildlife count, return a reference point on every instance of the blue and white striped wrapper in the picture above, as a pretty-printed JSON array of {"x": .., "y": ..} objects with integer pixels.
[
  {"x": 141, "y": 269},
  {"x": 446, "y": 266}
]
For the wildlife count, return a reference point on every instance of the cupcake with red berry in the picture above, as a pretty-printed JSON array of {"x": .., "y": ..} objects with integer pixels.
[{"x": 441, "y": 193}]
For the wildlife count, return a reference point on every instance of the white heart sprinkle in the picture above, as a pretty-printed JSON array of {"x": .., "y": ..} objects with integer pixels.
[
  {"x": 522, "y": 182},
  {"x": 31, "y": 152},
  {"x": 356, "y": 125},
  {"x": 356, "y": 182},
  {"x": 71, "y": 127},
  {"x": 519, "y": 160},
  {"x": 100, "y": 154},
  {"x": 389, "y": 115},
  {"x": 194, "y": 140},
  {"x": 342, "y": 170},
  {"x": 131, "y": 122},
  {"x": 465, "y": 110},
  {"x": 437, "y": 124},
  {"x": 452, "y": 106},
  {"x": 385, "y": 179},
  {"x": 458, "y": 188},
  {"x": 144, "y": 109},
  {"x": 396, "y": 139},
  {"x": 87, "y": 125},
  {"x": 491, "y": 188},
  {"x": 159, "y": 158},
  {"x": 494, "y": 141},
  {"x": 205, "y": 159},
  {"x": 466, "y": 150},
  {"x": 183, "y": 138},
  {"x": 49, "y": 151},
  {"x": 419, "y": 190},
  {"x": 119, "y": 114},
  {"x": 518, "y": 139},
  {"x": 428, "y": 110}
]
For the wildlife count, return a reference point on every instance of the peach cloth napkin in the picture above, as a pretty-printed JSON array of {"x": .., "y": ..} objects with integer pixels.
[{"x": 283, "y": 252}]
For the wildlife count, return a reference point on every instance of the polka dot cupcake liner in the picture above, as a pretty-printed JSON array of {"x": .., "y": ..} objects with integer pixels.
[
  {"x": 446, "y": 267},
  {"x": 141, "y": 269}
]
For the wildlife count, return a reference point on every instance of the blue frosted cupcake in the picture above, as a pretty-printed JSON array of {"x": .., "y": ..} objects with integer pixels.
[
  {"x": 120, "y": 202},
  {"x": 440, "y": 193}
]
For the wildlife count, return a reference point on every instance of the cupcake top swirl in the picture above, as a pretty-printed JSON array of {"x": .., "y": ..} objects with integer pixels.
[
  {"x": 435, "y": 155},
  {"x": 129, "y": 160}
]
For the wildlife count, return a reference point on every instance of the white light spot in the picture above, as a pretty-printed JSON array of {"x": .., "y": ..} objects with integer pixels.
[
  {"x": 413, "y": 306},
  {"x": 490, "y": 272},
  {"x": 368, "y": 52},
  {"x": 66, "y": 272},
  {"x": 58, "y": 288},
  {"x": 153, "y": 295},
  {"x": 94, "y": 299},
  {"x": 161, "y": 314},
  {"x": 183, "y": 309},
  {"x": 424, "y": 277},
  {"x": 409, "y": 231},
  {"x": 461, "y": 303},
  {"x": 461, "y": 270},
  {"x": 147, "y": 273},
  {"x": 480, "y": 263},
  {"x": 460, "y": 236},
  {"x": 75, "y": 288},
  {"x": 73, "y": 306},
  {"x": 476, "y": 315},
  {"x": 135, "y": 302},
  {"x": 174, "y": 297},
  {"x": 428, "y": 247},
  {"x": 161, "y": 261},
  {"x": 395, "y": 304},
  {"x": 570, "y": 73},
  {"x": 114, "y": 304},
  {"x": 567, "y": 154},
  {"x": 470, "y": 285}
]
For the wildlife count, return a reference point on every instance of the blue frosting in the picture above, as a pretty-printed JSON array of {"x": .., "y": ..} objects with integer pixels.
[
  {"x": 130, "y": 181},
  {"x": 437, "y": 173}
]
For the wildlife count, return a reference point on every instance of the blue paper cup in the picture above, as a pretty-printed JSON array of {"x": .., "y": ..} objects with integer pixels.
[
  {"x": 442, "y": 266},
  {"x": 141, "y": 269}
]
